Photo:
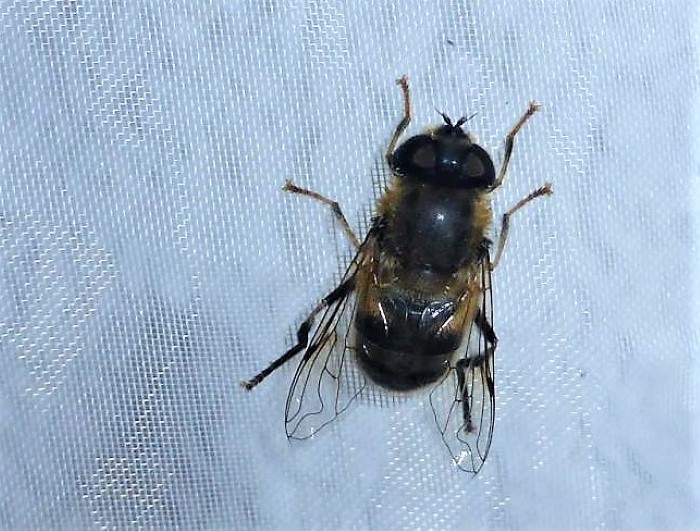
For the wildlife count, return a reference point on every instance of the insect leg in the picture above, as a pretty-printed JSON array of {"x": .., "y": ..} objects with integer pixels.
[
  {"x": 461, "y": 369},
  {"x": 403, "y": 124},
  {"x": 464, "y": 365},
  {"x": 510, "y": 137},
  {"x": 302, "y": 334},
  {"x": 486, "y": 329},
  {"x": 505, "y": 223},
  {"x": 465, "y": 383},
  {"x": 289, "y": 186}
]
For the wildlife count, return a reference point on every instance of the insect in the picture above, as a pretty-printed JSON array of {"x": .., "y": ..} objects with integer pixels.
[{"x": 414, "y": 307}]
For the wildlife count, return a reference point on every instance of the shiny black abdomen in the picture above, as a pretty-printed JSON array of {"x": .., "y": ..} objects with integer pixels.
[{"x": 406, "y": 345}]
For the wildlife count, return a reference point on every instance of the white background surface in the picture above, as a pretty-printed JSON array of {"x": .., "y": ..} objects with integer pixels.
[{"x": 148, "y": 260}]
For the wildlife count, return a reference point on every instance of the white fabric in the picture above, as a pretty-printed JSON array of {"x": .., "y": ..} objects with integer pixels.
[{"x": 149, "y": 261}]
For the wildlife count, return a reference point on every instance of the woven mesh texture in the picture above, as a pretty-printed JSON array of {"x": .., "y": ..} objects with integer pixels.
[{"x": 149, "y": 260}]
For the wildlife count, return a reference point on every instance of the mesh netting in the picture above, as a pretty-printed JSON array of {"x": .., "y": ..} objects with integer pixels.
[{"x": 149, "y": 260}]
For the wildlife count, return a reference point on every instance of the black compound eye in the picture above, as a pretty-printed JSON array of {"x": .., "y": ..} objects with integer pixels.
[
  {"x": 473, "y": 166},
  {"x": 424, "y": 157},
  {"x": 415, "y": 156},
  {"x": 477, "y": 167},
  {"x": 446, "y": 161}
]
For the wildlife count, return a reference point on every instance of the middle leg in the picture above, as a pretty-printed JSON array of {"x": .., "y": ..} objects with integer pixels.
[
  {"x": 505, "y": 223},
  {"x": 289, "y": 186}
]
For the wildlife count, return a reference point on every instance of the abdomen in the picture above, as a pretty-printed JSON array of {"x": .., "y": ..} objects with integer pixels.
[{"x": 406, "y": 343}]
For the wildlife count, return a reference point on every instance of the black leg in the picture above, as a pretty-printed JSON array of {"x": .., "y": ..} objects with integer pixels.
[
  {"x": 464, "y": 365},
  {"x": 302, "y": 334}
]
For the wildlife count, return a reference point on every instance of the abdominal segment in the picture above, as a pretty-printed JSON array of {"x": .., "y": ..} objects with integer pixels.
[{"x": 407, "y": 343}]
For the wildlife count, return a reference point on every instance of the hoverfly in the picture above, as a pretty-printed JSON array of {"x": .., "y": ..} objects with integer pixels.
[{"x": 414, "y": 307}]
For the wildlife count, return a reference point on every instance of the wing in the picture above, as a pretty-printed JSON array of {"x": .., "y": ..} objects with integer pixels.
[
  {"x": 463, "y": 402},
  {"x": 327, "y": 379}
]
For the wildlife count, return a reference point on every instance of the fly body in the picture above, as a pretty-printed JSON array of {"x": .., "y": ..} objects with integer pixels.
[{"x": 414, "y": 308}]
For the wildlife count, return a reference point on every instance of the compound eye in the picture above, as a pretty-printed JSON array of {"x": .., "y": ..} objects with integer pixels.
[
  {"x": 474, "y": 166},
  {"x": 416, "y": 155},
  {"x": 478, "y": 167},
  {"x": 424, "y": 157}
]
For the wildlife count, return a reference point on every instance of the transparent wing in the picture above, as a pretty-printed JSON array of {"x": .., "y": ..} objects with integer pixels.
[
  {"x": 463, "y": 402},
  {"x": 327, "y": 379}
]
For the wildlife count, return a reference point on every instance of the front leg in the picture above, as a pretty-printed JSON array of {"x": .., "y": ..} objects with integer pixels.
[
  {"x": 403, "y": 124},
  {"x": 510, "y": 139}
]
